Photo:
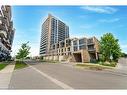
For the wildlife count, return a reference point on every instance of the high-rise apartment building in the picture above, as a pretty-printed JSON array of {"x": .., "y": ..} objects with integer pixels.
[
  {"x": 53, "y": 31},
  {"x": 6, "y": 31}
]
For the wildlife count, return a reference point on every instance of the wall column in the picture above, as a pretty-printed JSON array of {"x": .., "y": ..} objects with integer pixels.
[{"x": 96, "y": 56}]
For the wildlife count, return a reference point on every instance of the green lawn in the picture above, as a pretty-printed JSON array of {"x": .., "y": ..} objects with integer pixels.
[
  {"x": 2, "y": 65},
  {"x": 93, "y": 66},
  {"x": 20, "y": 65}
]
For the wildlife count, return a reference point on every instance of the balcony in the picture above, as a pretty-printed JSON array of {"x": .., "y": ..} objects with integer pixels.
[
  {"x": 90, "y": 41},
  {"x": 8, "y": 10},
  {"x": 68, "y": 42},
  {"x": 8, "y": 41},
  {"x": 3, "y": 34},
  {"x": 4, "y": 46},
  {"x": 8, "y": 47},
  {"x": 3, "y": 20},
  {"x": 91, "y": 49},
  {"x": 3, "y": 27}
]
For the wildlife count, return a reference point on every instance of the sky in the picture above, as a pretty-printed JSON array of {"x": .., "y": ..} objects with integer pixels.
[{"x": 83, "y": 21}]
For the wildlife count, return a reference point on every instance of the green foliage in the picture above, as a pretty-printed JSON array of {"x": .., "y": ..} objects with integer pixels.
[
  {"x": 20, "y": 65},
  {"x": 41, "y": 57},
  {"x": 112, "y": 64},
  {"x": 27, "y": 57},
  {"x": 123, "y": 55},
  {"x": 23, "y": 51},
  {"x": 2, "y": 65},
  {"x": 109, "y": 46},
  {"x": 101, "y": 58}
]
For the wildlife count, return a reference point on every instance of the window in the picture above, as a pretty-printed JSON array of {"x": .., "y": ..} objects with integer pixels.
[
  {"x": 74, "y": 42},
  {"x": 65, "y": 49},
  {"x": 81, "y": 41},
  {"x": 91, "y": 47},
  {"x": 61, "y": 50},
  {"x": 69, "y": 49},
  {"x": 82, "y": 47},
  {"x": 90, "y": 41},
  {"x": 53, "y": 46},
  {"x": 75, "y": 48}
]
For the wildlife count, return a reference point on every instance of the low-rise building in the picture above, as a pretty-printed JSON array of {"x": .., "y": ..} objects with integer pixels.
[{"x": 75, "y": 50}]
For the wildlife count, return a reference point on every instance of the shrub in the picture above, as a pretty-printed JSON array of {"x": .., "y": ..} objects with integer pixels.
[
  {"x": 19, "y": 62},
  {"x": 41, "y": 57},
  {"x": 112, "y": 64},
  {"x": 95, "y": 68},
  {"x": 20, "y": 65}
]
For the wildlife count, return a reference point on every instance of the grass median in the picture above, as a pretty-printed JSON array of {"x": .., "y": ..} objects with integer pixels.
[
  {"x": 2, "y": 65},
  {"x": 20, "y": 65},
  {"x": 93, "y": 66}
]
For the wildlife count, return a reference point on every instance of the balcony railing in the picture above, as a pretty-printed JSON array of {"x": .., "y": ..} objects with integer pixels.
[
  {"x": 3, "y": 27},
  {"x": 91, "y": 49},
  {"x": 3, "y": 46},
  {"x": 90, "y": 41},
  {"x": 3, "y": 20},
  {"x": 3, "y": 34}
]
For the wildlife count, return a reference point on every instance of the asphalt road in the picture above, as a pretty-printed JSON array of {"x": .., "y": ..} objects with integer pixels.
[
  {"x": 27, "y": 78},
  {"x": 64, "y": 76},
  {"x": 122, "y": 65}
]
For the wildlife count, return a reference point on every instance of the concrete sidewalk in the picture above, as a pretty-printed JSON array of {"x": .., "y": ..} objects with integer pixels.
[{"x": 5, "y": 76}]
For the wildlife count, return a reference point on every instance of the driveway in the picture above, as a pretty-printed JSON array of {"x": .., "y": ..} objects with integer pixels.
[{"x": 121, "y": 66}]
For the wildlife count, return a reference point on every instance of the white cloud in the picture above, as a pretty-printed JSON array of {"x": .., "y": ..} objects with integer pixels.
[
  {"x": 124, "y": 46},
  {"x": 102, "y": 9},
  {"x": 109, "y": 20}
]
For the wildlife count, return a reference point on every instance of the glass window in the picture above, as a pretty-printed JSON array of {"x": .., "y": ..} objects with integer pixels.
[
  {"x": 82, "y": 47},
  {"x": 75, "y": 42},
  {"x": 91, "y": 47},
  {"x": 75, "y": 48},
  {"x": 90, "y": 41},
  {"x": 69, "y": 49},
  {"x": 81, "y": 41}
]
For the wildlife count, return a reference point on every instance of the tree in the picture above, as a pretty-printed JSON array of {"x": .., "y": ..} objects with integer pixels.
[
  {"x": 41, "y": 57},
  {"x": 23, "y": 51},
  {"x": 123, "y": 55},
  {"x": 109, "y": 47}
]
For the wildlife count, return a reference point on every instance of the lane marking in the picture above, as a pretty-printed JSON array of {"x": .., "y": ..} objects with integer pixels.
[{"x": 57, "y": 82}]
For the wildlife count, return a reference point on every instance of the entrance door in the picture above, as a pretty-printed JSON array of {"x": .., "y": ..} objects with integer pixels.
[{"x": 77, "y": 57}]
